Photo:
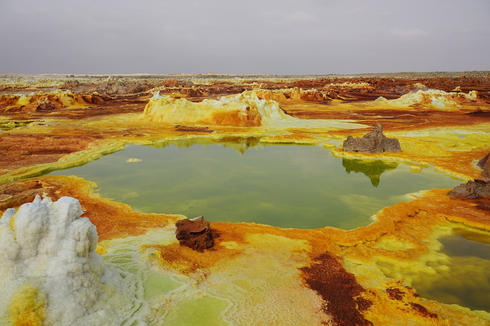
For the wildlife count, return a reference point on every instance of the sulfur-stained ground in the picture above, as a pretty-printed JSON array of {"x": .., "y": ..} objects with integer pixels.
[{"x": 257, "y": 274}]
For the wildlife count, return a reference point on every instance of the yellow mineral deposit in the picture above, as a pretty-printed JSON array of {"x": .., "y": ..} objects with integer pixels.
[
  {"x": 435, "y": 99},
  {"x": 242, "y": 110},
  {"x": 93, "y": 261},
  {"x": 28, "y": 306},
  {"x": 52, "y": 100}
]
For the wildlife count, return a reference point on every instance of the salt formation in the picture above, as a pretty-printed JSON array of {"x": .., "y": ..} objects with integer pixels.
[
  {"x": 431, "y": 98},
  {"x": 50, "y": 273},
  {"x": 242, "y": 110}
]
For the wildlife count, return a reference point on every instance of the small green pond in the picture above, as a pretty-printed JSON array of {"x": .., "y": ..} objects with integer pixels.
[
  {"x": 465, "y": 280},
  {"x": 242, "y": 180}
]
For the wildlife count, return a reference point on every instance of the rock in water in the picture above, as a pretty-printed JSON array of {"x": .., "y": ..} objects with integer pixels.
[
  {"x": 194, "y": 233},
  {"x": 478, "y": 188},
  {"x": 372, "y": 142}
]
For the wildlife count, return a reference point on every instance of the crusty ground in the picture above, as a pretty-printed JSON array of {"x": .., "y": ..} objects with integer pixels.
[{"x": 352, "y": 295}]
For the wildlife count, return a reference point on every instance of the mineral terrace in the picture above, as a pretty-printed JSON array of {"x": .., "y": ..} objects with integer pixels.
[{"x": 55, "y": 230}]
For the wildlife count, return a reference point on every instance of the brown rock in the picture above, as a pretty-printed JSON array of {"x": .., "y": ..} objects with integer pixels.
[
  {"x": 372, "y": 142},
  {"x": 481, "y": 163},
  {"x": 484, "y": 163},
  {"x": 45, "y": 106},
  {"x": 479, "y": 188},
  {"x": 194, "y": 233}
]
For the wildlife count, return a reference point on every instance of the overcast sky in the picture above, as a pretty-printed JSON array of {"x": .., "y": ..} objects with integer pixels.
[{"x": 243, "y": 36}]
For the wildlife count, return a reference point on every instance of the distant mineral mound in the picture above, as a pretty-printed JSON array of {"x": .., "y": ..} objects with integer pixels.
[
  {"x": 242, "y": 110},
  {"x": 47, "y": 101},
  {"x": 372, "y": 142},
  {"x": 292, "y": 95},
  {"x": 431, "y": 98},
  {"x": 50, "y": 273}
]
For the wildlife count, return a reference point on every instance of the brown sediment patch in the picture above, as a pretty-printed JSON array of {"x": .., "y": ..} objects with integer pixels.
[
  {"x": 19, "y": 150},
  {"x": 18, "y": 193},
  {"x": 193, "y": 129},
  {"x": 422, "y": 310},
  {"x": 484, "y": 206},
  {"x": 395, "y": 293},
  {"x": 391, "y": 118},
  {"x": 338, "y": 288},
  {"x": 297, "y": 137}
]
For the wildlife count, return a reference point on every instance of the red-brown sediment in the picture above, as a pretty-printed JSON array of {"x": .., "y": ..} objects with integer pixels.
[
  {"x": 339, "y": 289},
  {"x": 395, "y": 293},
  {"x": 422, "y": 310},
  {"x": 19, "y": 150}
]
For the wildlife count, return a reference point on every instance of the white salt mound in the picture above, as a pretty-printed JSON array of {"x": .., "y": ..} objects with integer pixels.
[{"x": 50, "y": 273}]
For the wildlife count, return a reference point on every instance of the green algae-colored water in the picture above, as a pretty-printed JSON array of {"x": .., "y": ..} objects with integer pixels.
[
  {"x": 465, "y": 280},
  {"x": 243, "y": 181}
]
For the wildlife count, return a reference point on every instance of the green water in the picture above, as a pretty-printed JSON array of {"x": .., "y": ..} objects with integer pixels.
[
  {"x": 242, "y": 181},
  {"x": 206, "y": 310},
  {"x": 466, "y": 280}
]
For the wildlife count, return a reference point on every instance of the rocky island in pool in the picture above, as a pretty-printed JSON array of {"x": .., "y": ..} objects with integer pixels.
[{"x": 81, "y": 244}]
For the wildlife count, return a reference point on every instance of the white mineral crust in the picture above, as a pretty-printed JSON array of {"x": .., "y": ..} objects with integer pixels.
[{"x": 49, "y": 246}]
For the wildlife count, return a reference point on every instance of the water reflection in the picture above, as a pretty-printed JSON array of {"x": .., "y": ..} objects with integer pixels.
[
  {"x": 9, "y": 125},
  {"x": 240, "y": 144},
  {"x": 466, "y": 242},
  {"x": 371, "y": 169},
  {"x": 465, "y": 278},
  {"x": 282, "y": 185}
]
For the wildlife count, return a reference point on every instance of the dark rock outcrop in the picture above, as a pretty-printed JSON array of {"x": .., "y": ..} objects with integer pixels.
[
  {"x": 484, "y": 164},
  {"x": 45, "y": 106},
  {"x": 478, "y": 188},
  {"x": 372, "y": 142},
  {"x": 194, "y": 233}
]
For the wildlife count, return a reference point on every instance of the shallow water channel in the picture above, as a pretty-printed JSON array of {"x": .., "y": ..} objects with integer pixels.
[{"x": 242, "y": 180}]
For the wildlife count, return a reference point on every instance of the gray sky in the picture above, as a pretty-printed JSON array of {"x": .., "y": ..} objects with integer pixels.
[{"x": 243, "y": 37}]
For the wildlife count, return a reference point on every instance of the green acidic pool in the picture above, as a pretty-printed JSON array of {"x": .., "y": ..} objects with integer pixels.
[
  {"x": 465, "y": 278},
  {"x": 241, "y": 180}
]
